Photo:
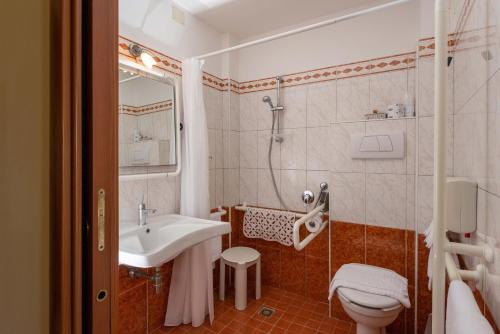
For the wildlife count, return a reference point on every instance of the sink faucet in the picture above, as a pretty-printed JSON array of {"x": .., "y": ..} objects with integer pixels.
[{"x": 143, "y": 212}]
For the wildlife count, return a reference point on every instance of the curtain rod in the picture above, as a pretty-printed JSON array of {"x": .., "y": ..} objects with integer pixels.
[{"x": 304, "y": 29}]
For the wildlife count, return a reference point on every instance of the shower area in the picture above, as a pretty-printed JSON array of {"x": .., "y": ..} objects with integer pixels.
[{"x": 289, "y": 133}]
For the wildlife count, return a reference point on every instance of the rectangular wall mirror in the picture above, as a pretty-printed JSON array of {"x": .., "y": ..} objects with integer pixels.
[{"x": 148, "y": 123}]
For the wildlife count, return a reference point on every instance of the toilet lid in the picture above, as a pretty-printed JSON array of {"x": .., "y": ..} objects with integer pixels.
[{"x": 368, "y": 299}]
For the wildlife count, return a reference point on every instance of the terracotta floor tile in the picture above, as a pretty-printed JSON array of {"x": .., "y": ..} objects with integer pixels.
[
  {"x": 295, "y": 328},
  {"x": 265, "y": 326},
  {"x": 284, "y": 324},
  {"x": 308, "y": 330},
  {"x": 277, "y": 330},
  {"x": 294, "y": 314}
]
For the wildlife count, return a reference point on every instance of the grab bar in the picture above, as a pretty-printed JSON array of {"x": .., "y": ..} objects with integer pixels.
[
  {"x": 303, "y": 219},
  {"x": 218, "y": 214},
  {"x": 300, "y": 245}
]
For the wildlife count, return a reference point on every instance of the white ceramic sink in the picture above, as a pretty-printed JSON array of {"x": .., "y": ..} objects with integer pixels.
[{"x": 163, "y": 238}]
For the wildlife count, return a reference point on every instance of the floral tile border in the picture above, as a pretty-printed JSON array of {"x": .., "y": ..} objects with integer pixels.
[
  {"x": 377, "y": 65},
  {"x": 145, "y": 109}
]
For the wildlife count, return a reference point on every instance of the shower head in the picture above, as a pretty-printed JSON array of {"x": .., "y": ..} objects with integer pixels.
[{"x": 267, "y": 99}]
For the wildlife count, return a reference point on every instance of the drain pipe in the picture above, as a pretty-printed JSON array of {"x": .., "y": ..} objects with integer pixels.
[
  {"x": 155, "y": 279},
  {"x": 440, "y": 146}
]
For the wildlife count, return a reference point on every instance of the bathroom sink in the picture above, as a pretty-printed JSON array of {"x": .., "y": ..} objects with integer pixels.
[{"x": 163, "y": 238}]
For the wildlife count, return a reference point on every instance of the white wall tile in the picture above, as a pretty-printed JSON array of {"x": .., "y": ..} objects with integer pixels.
[
  {"x": 264, "y": 138},
  {"x": 318, "y": 148},
  {"x": 219, "y": 149},
  {"x": 266, "y": 196},
  {"x": 220, "y": 187},
  {"x": 321, "y": 103},
  {"x": 248, "y": 149},
  {"x": 162, "y": 195},
  {"x": 386, "y": 200},
  {"x": 212, "y": 156},
  {"x": 211, "y": 188},
  {"x": 235, "y": 112},
  {"x": 340, "y": 150},
  {"x": 293, "y": 149},
  {"x": 470, "y": 145},
  {"x": 426, "y": 87},
  {"x": 248, "y": 112},
  {"x": 426, "y": 145},
  {"x": 295, "y": 103},
  {"x": 353, "y": 98},
  {"x": 231, "y": 187},
  {"x": 231, "y": 149},
  {"x": 425, "y": 202},
  {"x": 248, "y": 186},
  {"x": 470, "y": 71},
  {"x": 347, "y": 197},
  {"x": 213, "y": 107},
  {"x": 411, "y": 145},
  {"x": 131, "y": 193},
  {"x": 387, "y": 88},
  {"x": 411, "y": 222},
  {"x": 293, "y": 183}
]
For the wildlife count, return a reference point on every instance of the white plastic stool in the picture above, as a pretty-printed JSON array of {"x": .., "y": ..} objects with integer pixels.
[{"x": 240, "y": 258}]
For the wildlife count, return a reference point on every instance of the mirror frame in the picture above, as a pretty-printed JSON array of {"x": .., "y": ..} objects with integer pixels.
[{"x": 175, "y": 81}]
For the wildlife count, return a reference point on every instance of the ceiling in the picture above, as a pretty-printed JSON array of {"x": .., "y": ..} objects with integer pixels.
[{"x": 245, "y": 18}]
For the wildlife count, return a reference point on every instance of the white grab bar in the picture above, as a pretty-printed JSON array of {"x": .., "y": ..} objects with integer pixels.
[
  {"x": 303, "y": 218},
  {"x": 299, "y": 245}
]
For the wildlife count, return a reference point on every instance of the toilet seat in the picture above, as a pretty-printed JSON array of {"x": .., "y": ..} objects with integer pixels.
[{"x": 368, "y": 300}]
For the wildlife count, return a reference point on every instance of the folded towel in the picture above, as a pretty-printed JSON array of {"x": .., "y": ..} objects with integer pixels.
[
  {"x": 463, "y": 316},
  {"x": 376, "y": 280},
  {"x": 270, "y": 225}
]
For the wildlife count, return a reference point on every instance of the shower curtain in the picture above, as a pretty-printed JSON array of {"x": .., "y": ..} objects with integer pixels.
[{"x": 191, "y": 288}]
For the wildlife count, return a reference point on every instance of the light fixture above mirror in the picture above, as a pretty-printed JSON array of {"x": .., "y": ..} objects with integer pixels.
[{"x": 146, "y": 58}]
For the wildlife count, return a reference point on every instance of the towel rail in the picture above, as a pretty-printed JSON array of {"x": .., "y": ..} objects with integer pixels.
[
  {"x": 482, "y": 251},
  {"x": 455, "y": 273}
]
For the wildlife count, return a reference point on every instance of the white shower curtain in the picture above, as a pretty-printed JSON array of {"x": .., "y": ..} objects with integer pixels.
[{"x": 191, "y": 289}]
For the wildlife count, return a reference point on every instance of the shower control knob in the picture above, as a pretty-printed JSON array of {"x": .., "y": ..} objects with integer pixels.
[{"x": 307, "y": 197}]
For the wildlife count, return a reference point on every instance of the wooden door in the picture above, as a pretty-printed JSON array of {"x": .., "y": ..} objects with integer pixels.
[{"x": 100, "y": 114}]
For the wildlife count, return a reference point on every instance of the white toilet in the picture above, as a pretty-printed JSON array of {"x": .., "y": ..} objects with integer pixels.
[{"x": 372, "y": 313}]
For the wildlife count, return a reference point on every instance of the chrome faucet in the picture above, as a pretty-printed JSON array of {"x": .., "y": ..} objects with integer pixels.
[{"x": 143, "y": 212}]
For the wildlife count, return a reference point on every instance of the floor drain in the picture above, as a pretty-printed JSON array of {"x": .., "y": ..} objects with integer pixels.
[{"x": 266, "y": 311}]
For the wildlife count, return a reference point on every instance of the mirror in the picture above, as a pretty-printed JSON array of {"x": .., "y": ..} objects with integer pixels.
[{"x": 148, "y": 123}]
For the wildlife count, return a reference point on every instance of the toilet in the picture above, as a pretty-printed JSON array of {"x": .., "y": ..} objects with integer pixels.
[{"x": 372, "y": 313}]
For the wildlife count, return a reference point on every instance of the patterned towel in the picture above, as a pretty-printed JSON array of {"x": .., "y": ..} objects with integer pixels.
[{"x": 270, "y": 225}]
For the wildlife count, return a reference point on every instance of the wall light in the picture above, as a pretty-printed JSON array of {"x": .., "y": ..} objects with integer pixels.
[{"x": 146, "y": 58}]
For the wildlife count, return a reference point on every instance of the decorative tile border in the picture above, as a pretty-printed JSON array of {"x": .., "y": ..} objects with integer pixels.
[
  {"x": 377, "y": 65},
  {"x": 214, "y": 82},
  {"x": 459, "y": 41},
  {"x": 146, "y": 109}
]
